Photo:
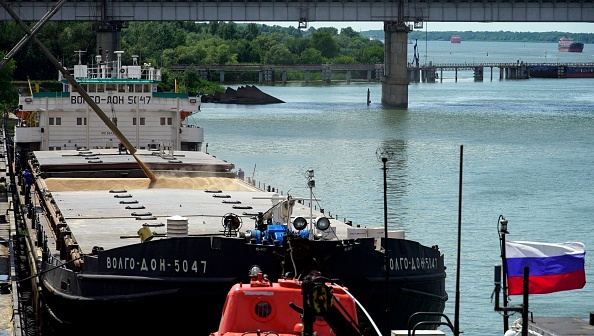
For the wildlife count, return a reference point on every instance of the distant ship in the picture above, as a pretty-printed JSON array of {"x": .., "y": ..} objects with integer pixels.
[
  {"x": 566, "y": 44},
  {"x": 455, "y": 39}
]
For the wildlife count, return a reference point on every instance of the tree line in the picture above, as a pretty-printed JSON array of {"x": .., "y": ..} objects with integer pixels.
[{"x": 166, "y": 43}]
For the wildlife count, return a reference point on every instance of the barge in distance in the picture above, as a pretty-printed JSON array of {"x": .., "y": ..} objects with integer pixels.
[{"x": 119, "y": 253}]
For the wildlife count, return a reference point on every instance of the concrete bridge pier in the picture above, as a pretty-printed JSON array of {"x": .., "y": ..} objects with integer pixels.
[
  {"x": 478, "y": 74},
  {"x": 395, "y": 81},
  {"x": 326, "y": 75},
  {"x": 109, "y": 39}
]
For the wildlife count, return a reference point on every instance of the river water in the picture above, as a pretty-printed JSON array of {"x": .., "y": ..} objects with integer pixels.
[{"x": 527, "y": 150}]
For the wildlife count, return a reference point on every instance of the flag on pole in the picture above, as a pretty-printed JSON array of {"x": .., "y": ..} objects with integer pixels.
[{"x": 553, "y": 267}]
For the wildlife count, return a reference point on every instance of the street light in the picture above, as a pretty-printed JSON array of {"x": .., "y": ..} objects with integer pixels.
[{"x": 383, "y": 155}]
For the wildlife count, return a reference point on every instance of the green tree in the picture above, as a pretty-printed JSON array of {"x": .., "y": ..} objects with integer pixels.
[
  {"x": 251, "y": 31},
  {"x": 279, "y": 54},
  {"x": 373, "y": 54},
  {"x": 193, "y": 54},
  {"x": 311, "y": 56},
  {"x": 349, "y": 32},
  {"x": 229, "y": 31},
  {"x": 220, "y": 54},
  {"x": 324, "y": 42},
  {"x": 8, "y": 94},
  {"x": 297, "y": 44},
  {"x": 343, "y": 59}
]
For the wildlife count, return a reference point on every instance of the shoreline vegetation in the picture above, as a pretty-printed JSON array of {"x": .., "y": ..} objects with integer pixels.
[{"x": 164, "y": 44}]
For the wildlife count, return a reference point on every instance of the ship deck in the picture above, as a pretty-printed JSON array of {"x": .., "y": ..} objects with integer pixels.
[{"x": 108, "y": 212}]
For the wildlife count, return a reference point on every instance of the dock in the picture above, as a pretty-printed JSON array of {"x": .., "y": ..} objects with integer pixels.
[
  {"x": 563, "y": 326},
  {"x": 9, "y": 308},
  {"x": 426, "y": 73}
]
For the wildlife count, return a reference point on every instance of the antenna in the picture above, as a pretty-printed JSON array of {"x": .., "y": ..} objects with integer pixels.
[{"x": 80, "y": 52}]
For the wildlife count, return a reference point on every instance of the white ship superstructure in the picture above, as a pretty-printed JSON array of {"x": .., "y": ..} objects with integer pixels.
[{"x": 126, "y": 93}]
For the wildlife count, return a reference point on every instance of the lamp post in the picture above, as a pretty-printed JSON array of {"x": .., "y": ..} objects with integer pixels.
[
  {"x": 311, "y": 183},
  {"x": 383, "y": 155}
]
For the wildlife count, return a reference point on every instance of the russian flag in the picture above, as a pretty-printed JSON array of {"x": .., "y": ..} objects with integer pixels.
[{"x": 553, "y": 267}]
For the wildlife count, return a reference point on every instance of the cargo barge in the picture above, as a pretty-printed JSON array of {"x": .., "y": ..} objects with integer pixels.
[{"x": 121, "y": 253}]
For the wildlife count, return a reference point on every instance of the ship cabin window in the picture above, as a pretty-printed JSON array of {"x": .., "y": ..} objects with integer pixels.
[
  {"x": 81, "y": 121},
  {"x": 100, "y": 88},
  {"x": 92, "y": 88},
  {"x": 147, "y": 88},
  {"x": 110, "y": 87},
  {"x": 55, "y": 121},
  {"x": 138, "y": 88},
  {"x": 130, "y": 88},
  {"x": 142, "y": 121},
  {"x": 114, "y": 121},
  {"x": 121, "y": 87},
  {"x": 166, "y": 121}
]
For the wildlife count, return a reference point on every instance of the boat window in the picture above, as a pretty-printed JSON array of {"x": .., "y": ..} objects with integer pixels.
[
  {"x": 110, "y": 87},
  {"x": 100, "y": 88},
  {"x": 142, "y": 121},
  {"x": 130, "y": 87},
  {"x": 81, "y": 121},
  {"x": 55, "y": 121},
  {"x": 121, "y": 87},
  {"x": 147, "y": 88},
  {"x": 134, "y": 121},
  {"x": 92, "y": 88},
  {"x": 263, "y": 309},
  {"x": 114, "y": 121},
  {"x": 138, "y": 88}
]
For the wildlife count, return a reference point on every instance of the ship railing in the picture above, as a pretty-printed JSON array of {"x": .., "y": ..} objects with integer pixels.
[{"x": 144, "y": 72}]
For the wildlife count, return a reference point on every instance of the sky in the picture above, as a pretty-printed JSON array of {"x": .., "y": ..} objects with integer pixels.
[{"x": 458, "y": 26}]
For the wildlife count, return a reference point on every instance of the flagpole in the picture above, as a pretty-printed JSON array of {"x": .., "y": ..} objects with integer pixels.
[{"x": 502, "y": 222}]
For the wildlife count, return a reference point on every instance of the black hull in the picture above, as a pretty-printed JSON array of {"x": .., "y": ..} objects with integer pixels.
[{"x": 146, "y": 291}]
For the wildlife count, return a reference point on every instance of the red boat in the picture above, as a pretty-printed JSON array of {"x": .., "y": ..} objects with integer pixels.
[
  {"x": 455, "y": 39},
  {"x": 265, "y": 307}
]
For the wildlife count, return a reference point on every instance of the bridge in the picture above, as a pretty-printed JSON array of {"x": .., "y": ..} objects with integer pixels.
[
  {"x": 269, "y": 74},
  {"x": 399, "y": 18}
]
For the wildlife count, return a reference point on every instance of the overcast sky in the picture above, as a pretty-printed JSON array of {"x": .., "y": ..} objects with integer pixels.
[{"x": 465, "y": 26}]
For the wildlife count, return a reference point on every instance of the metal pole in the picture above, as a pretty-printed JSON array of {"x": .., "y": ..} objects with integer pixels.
[
  {"x": 525, "y": 297},
  {"x": 504, "y": 281},
  {"x": 386, "y": 259},
  {"x": 457, "y": 308}
]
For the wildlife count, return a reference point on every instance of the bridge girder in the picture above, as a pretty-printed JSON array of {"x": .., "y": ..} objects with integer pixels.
[{"x": 311, "y": 11}]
